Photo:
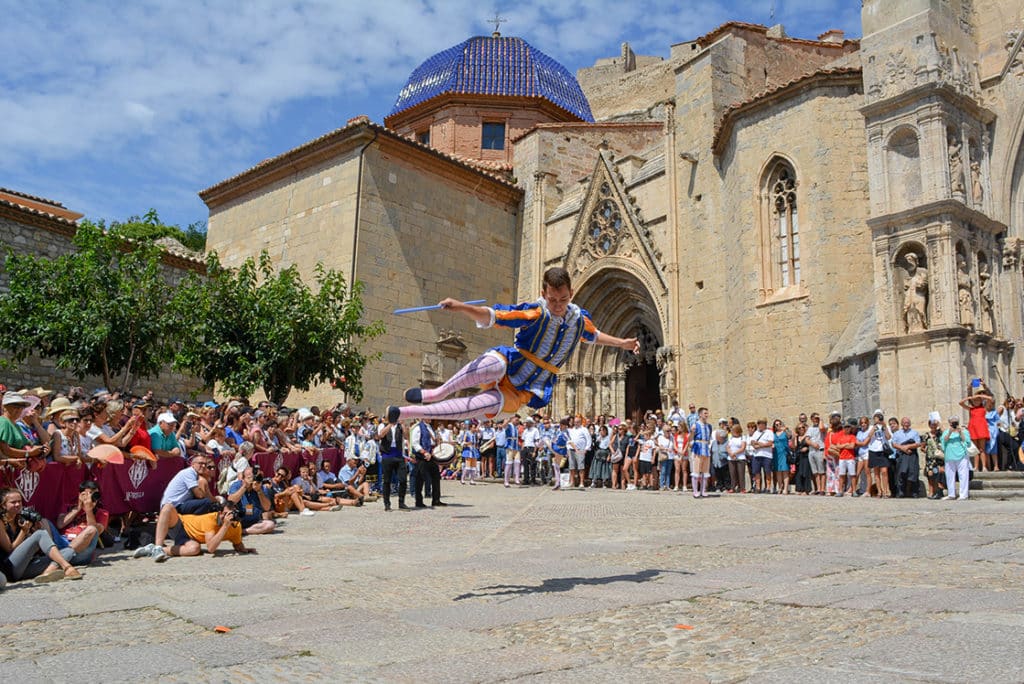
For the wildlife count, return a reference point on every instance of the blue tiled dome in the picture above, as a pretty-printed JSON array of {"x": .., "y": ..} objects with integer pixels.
[{"x": 494, "y": 65}]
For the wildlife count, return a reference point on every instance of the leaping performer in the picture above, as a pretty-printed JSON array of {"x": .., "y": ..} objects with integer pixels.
[{"x": 510, "y": 377}]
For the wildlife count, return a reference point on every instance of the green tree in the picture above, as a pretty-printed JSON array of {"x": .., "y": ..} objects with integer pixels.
[
  {"x": 253, "y": 328},
  {"x": 149, "y": 228},
  {"x": 100, "y": 310}
]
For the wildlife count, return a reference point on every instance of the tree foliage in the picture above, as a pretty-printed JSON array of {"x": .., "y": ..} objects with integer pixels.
[
  {"x": 100, "y": 310},
  {"x": 150, "y": 228},
  {"x": 253, "y": 328}
]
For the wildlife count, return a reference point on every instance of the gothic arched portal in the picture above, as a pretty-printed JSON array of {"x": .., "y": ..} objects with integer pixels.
[{"x": 605, "y": 379}]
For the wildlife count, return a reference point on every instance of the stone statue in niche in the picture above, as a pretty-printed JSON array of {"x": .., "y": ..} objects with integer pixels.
[
  {"x": 667, "y": 375},
  {"x": 964, "y": 294},
  {"x": 570, "y": 395},
  {"x": 915, "y": 295},
  {"x": 588, "y": 399},
  {"x": 606, "y": 396},
  {"x": 977, "y": 191},
  {"x": 985, "y": 290},
  {"x": 956, "y": 166}
]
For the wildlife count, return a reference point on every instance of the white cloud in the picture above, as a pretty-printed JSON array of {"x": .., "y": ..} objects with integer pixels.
[{"x": 189, "y": 89}]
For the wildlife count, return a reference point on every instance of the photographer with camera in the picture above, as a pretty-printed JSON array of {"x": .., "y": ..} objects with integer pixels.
[
  {"x": 26, "y": 545},
  {"x": 254, "y": 506},
  {"x": 187, "y": 533}
]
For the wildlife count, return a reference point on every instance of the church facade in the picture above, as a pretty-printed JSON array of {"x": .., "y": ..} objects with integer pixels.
[{"x": 787, "y": 224}]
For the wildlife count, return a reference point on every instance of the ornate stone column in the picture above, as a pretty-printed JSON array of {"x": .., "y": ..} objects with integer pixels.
[{"x": 587, "y": 405}]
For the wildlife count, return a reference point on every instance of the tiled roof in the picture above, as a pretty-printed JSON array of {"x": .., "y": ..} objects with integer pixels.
[
  {"x": 8, "y": 191},
  {"x": 724, "y": 127},
  {"x": 59, "y": 218},
  {"x": 494, "y": 65},
  {"x": 714, "y": 34},
  {"x": 301, "y": 151}
]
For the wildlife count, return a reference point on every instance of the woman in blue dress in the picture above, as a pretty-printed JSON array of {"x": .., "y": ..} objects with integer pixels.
[{"x": 780, "y": 457}]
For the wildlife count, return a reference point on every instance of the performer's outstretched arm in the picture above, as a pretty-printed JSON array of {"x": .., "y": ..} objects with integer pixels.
[
  {"x": 480, "y": 314},
  {"x": 628, "y": 343}
]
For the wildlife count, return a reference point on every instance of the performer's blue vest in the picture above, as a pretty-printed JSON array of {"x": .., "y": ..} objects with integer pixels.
[{"x": 425, "y": 442}]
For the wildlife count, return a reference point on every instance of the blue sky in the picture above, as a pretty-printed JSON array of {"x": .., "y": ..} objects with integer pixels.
[{"x": 114, "y": 107}]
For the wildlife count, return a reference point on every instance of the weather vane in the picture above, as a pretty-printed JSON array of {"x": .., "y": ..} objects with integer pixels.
[{"x": 497, "y": 20}]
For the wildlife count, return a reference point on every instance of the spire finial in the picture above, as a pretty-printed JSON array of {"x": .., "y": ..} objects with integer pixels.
[{"x": 497, "y": 20}]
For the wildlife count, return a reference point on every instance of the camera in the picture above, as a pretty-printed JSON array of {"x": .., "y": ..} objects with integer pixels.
[{"x": 30, "y": 515}]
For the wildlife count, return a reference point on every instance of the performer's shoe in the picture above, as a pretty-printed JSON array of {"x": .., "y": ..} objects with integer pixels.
[
  {"x": 403, "y": 507},
  {"x": 393, "y": 414},
  {"x": 438, "y": 503},
  {"x": 414, "y": 395}
]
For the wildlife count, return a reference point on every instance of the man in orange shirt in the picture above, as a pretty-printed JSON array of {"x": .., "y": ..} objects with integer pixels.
[
  {"x": 842, "y": 445},
  {"x": 187, "y": 534}
]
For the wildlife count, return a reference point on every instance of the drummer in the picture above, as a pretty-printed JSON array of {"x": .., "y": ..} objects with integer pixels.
[{"x": 424, "y": 441}]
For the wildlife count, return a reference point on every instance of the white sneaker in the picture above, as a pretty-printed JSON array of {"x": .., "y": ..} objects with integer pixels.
[
  {"x": 630, "y": 487},
  {"x": 675, "y": 489},
  {"x": 159, "y": 555},
  {"x": 144, "y": 551},
  {"x": 949, "y": 498},
  {"x": 307, "y": 513},
  {"x": 962, "y": 498}
]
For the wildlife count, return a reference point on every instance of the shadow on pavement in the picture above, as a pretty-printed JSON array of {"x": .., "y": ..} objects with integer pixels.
[{"x": 562, "y": 584}]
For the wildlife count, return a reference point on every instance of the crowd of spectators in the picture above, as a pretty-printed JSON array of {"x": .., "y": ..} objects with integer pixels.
[{"x": 221, "y": 495}]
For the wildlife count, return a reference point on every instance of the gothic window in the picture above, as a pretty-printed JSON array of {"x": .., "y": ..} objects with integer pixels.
[
  {"x": 605, "y": 227},
  {"x": 786, "y": 227}
]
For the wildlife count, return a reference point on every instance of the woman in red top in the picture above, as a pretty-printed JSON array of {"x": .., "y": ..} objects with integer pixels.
[{"x": 978, "y": 405}]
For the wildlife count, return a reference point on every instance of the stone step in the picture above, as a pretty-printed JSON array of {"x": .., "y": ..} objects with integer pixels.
[
  {"x": 997, "y": 493},
  {"x": 1001, "y": 475},
  {"x": 977, "y": 483}
]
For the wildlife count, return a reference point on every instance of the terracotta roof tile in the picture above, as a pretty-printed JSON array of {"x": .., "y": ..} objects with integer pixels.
[
  {"x": 31, "y": 197},
  {"x": 712, "y": 35},
  {"x": 352, "y": 124},
  {"x": 73, "y": 223}
]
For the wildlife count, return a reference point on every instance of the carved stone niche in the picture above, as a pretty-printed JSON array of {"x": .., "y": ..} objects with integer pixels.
[
  {"x": 448, "y": 355},
  {"x": 912, "y": 289}
]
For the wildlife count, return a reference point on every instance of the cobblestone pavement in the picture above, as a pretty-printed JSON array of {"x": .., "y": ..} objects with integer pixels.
[{"x": 526, "y": 584}]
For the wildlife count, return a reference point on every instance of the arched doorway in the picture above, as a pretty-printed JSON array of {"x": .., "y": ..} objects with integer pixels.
[{"x": 608, "y": 380}]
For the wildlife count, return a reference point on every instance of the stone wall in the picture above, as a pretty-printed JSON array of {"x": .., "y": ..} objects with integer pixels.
[
  {"x": 426, "y": 229},
  {"x": 765, "y": 348},
  {"x": 422, "y": 238},
  {"x": 52, "y": 239}
]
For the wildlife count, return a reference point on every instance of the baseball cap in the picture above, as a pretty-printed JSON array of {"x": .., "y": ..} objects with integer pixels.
[{"x": 166, "y": 417}]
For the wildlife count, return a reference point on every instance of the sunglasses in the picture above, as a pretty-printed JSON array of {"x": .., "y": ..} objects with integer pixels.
[{"x": 70, "y": 420}]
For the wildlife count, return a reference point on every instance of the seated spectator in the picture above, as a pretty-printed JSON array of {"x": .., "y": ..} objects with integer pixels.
[
  {"x": 349, "y": 484},
  {"x": 187, "y": 534},
  {"x": 257, "y": 510},
  {"x": 189, "y": 435},
  {"x": 313, "y": 496},
  {"x": 163, "y": 437},
  {"x": 106, "y": 419},
  {"x": 67, "y": 443},
  {"x": 14, "y": 447},
  {"x": 231, "y": 470},
  {"x": 286, "y": 495},
  {"x": 27, "y": 549},
  {"x": 81, "y": 526}
]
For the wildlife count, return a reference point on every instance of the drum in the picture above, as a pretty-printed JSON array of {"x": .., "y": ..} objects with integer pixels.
[{"x": 444, "y": 453}]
